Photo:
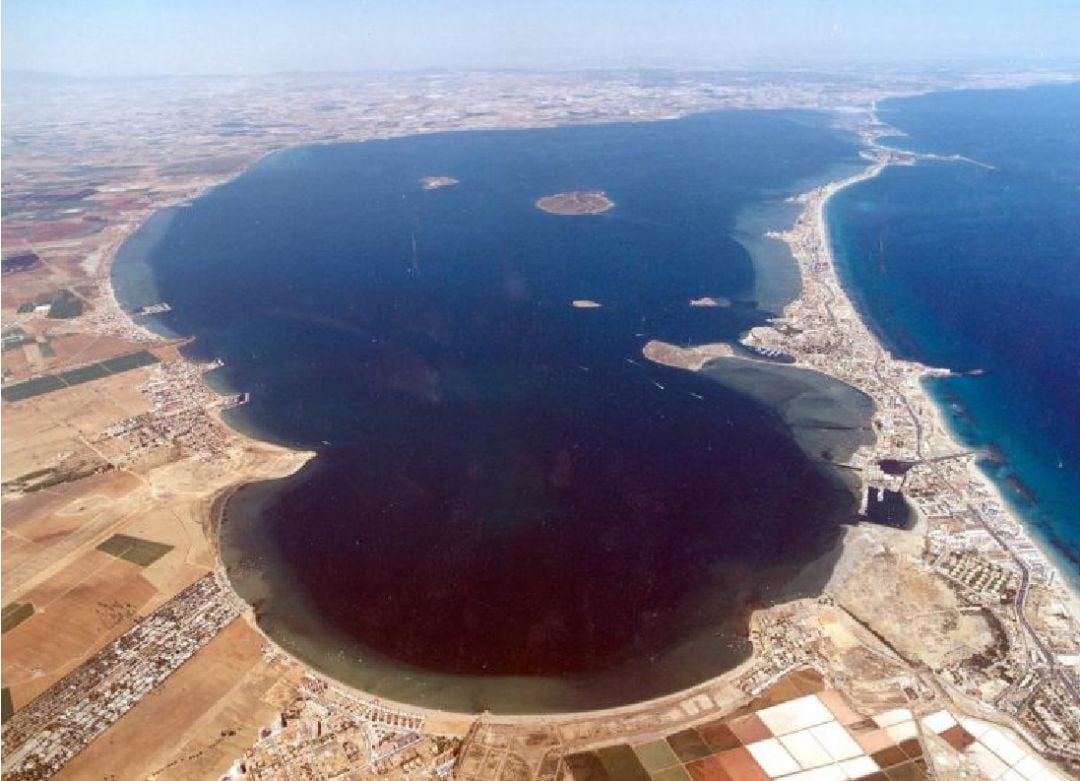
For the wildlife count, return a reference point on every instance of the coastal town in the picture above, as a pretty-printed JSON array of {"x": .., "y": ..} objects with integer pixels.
[
  {"x": 40, "y": 739},
  {"x": 950, "y": 649}
]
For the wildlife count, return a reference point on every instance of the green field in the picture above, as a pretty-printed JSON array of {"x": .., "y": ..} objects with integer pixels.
[
  {"x": 25, "y": 390},
  {"x": 14, "y": 614},
  {"x": 130, "y": 361},
  {"x": 7, "y": 707},
  {"x": 63, "y": 304},
  {"x": 137, "y": 551},
  {"x": 95, "y": 371},
  {"x": 656, "y": 756},
  {"x": 621, "y": 763}
]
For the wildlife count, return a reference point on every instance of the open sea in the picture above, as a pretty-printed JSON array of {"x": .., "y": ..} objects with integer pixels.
[
  {"x": 511, "y": 508},
  {"x": 977, "y": 267}
]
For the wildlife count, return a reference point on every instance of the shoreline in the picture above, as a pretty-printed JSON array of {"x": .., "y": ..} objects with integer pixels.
[
  {"x": 1071, "y": 585},
  {"x": 724, "y": 686},
  {"x": 118, "y": 319}
]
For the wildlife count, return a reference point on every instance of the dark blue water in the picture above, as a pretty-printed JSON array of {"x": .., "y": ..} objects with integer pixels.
[
  {"x": 510, "y": 508},
  {"x": 974, "y": 268}
]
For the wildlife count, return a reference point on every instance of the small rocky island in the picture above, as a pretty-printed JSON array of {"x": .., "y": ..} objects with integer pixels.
[
  {"x": 435, "y": 182},
  {"x": 576, "y": 202},
  {"x": 711, "y": 301}
]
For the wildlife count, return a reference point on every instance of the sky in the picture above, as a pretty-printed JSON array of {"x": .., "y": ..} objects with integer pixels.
[{"x": 152, "y": 37}]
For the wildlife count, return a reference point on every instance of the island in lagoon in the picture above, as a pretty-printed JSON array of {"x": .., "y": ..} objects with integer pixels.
[{"x": 576, "y": 202}]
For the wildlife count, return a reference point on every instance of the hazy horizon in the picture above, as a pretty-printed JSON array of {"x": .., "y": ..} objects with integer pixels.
[{"x": 198, "y": 37}]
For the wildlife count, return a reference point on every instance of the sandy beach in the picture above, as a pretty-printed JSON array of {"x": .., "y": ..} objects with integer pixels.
[{"x": 857, "y": 357}]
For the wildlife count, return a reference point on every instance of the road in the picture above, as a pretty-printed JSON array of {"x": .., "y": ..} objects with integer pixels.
[{"x": 1019, "y": 603}]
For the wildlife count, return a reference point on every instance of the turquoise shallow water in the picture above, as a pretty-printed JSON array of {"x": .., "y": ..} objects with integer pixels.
[{"x": 978, "y": 267}]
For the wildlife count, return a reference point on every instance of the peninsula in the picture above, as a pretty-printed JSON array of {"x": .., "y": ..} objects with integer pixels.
[{"x": 576, "y": 202}]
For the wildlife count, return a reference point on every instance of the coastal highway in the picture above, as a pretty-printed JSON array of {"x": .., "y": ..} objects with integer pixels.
[{"x": 1021, "y": 599}]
